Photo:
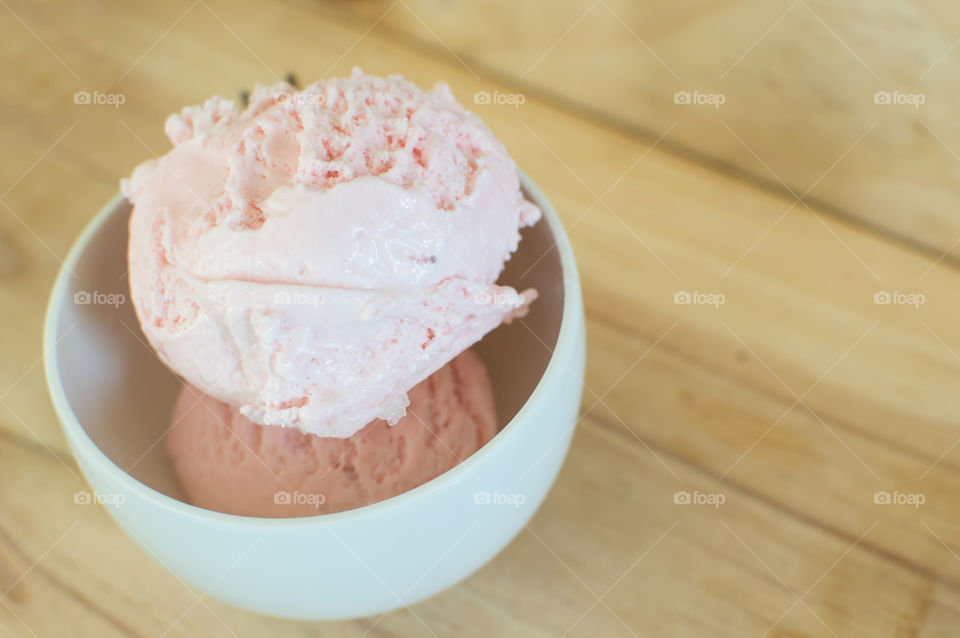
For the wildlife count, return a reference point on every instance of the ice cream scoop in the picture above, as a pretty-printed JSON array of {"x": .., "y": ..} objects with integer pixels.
[
  {"x": 314, "y": 256},
  {"x": 225, "y": 462}
]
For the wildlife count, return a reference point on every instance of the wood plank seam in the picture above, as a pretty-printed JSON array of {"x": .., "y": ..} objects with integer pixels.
[
  {"x": 15, "y": 437},
  {"x": 37, "y": 567},
  {"x": 612, "y": 122},
  {"x": 781, "y": 399},
  {"x": 617, "y": 429}
]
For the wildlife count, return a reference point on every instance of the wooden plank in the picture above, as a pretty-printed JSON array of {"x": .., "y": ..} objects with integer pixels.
[
  {"x": 704, "y": 387},
  {"x": 670, "y": 569},
  {"x": 798, "y": 80}
]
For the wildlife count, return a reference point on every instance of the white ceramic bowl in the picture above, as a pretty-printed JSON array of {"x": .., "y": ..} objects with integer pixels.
[{"x": 113, "y": 398}]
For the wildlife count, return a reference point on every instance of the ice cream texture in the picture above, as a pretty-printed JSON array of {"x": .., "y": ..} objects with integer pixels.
[
  {"x": 229, "y": 464},
  {"x": 314, "y": 256}
]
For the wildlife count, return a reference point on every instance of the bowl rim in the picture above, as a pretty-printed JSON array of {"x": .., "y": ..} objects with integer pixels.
[{"x": 81, "y": 443}]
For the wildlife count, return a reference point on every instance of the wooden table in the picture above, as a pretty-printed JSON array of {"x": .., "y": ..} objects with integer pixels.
[{"x": 787, "y": 400}]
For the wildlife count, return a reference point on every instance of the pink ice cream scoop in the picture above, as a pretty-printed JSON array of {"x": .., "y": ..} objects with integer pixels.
[
  {"x": 313, "y": 257},
  {"x": 229, "y": 464}
]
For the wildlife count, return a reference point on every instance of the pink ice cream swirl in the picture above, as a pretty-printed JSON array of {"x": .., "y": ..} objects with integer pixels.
[{"x": 314, "y": 256}]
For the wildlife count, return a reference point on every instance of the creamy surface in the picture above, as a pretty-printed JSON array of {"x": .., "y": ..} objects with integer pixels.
[
  {"x": 229, "y": 464},
  {"x": 313, "y": 257}
]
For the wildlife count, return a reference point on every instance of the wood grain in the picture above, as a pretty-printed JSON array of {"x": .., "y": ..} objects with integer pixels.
[
  {"x": 796, "y": 399},
  {"x": 798, "y": 78}
]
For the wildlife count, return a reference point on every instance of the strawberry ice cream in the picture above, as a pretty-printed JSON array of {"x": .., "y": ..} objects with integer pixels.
[
  {"x": 313, "y": 257},
  {"x": 229, "y": 464}
]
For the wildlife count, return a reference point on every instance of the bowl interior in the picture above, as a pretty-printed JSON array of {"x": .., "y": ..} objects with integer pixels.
[{"x": 122, "y": 395}]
